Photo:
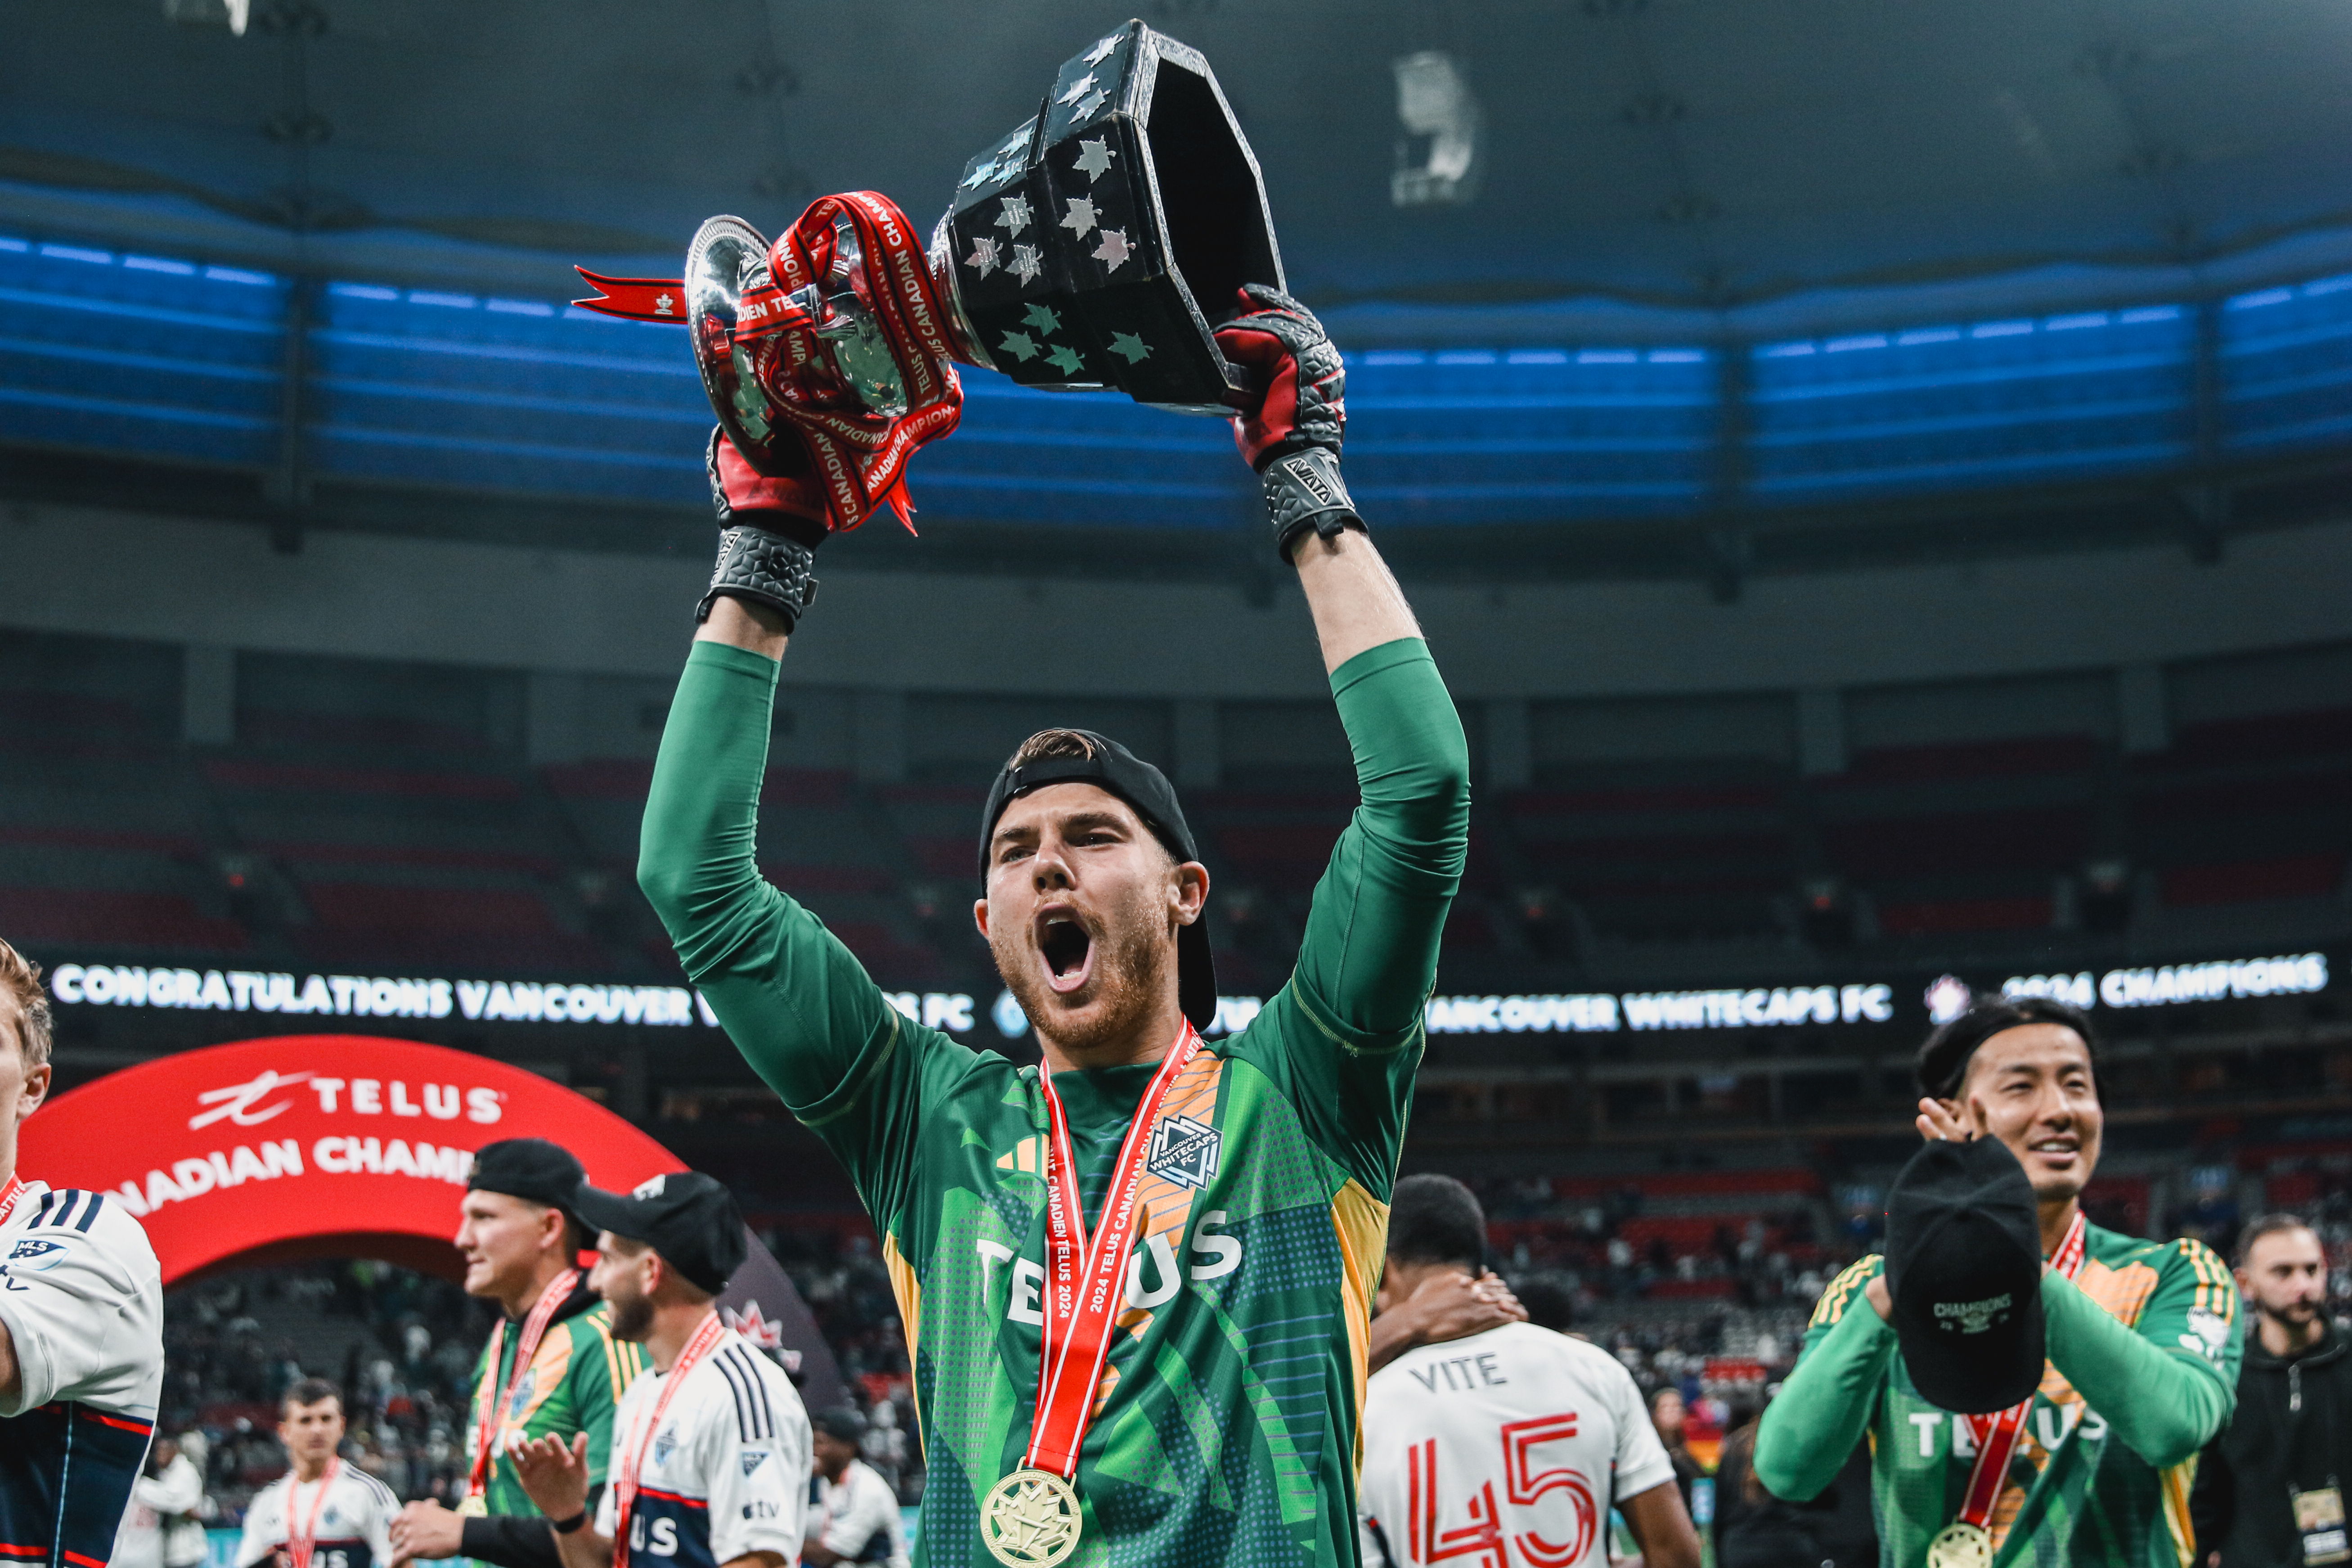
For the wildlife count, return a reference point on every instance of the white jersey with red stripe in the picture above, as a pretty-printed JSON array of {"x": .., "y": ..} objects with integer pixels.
[
  {"x": 82, "y": 1299},
  {"x": 1506, "y": 1449},
  {"x": 725, "y": 1472},
  {"x": 349, "y": 1527}
]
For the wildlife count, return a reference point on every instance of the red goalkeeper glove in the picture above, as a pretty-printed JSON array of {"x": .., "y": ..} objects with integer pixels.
[{"x": 1294, "y": 435}]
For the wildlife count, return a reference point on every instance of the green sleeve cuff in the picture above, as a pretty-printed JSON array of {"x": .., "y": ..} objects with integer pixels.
[
  {"x": 1373, "y": 660},
  {"x": 726, "y": 656}
]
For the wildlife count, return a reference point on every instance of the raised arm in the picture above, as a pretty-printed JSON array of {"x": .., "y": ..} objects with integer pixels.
[
  {"x": 796, "y": 1002},
  {"x": 1347, "y": 1030}
]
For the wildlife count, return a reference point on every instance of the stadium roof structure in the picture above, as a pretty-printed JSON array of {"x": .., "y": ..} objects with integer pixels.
[{"x": 1725, "y": 285}]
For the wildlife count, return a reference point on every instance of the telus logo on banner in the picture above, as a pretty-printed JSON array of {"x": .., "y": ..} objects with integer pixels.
[
  {"x": 267, "y": 1143},
  {"x": 270, "y": 1094}
]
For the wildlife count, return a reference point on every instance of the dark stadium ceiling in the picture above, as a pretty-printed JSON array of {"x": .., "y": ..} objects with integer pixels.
[{"x": 1637, "y": 162}]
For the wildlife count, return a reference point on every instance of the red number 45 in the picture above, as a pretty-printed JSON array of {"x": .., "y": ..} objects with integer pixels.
[{"x": 1483, "y": 1538}]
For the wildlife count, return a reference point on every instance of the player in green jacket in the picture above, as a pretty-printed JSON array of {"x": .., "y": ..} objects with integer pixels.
[
  {"x": 551, "y": 1364},
  {"x": 1223, "y": 1424},
  {"x": 2143, "y": 1344}
]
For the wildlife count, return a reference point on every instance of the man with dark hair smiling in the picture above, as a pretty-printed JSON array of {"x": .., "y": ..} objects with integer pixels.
[
  {"x": 1185, "y": 1238},
  {"x": 2093, "y": 1465}
]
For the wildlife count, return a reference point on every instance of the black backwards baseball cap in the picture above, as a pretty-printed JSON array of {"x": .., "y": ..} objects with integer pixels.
[
  {"x": 1115, "y": 768},
  {"x": 689, "y": 1218},
  {"x": 1964, "y": 1271},
  {"x": 532, "y": 1169}
]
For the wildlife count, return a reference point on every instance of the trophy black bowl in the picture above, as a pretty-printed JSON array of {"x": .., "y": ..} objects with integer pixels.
[{"x": 1099, "y": 244}]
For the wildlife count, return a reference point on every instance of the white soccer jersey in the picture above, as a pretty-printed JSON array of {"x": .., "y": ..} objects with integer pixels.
[
  {"x": 858, "y": 1517},
  {"x": 1506, "y": 1449},
  {"x": 727, "y": 1470},
  {"x": 350, "y": 1526},
  {"x": 83, "y": 1298}
]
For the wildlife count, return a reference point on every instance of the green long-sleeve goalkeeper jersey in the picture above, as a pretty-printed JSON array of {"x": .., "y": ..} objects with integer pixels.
[
  {"x": 2143, "y": 1367},
  {"x": 1226, "y": 1430}
]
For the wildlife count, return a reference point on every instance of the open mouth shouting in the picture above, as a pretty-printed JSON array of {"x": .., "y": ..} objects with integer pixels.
[{"x": 1067, "y": 948}]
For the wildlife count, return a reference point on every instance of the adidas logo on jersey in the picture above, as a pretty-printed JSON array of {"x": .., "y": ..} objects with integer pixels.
[{"x": 1028, "y": 1156}]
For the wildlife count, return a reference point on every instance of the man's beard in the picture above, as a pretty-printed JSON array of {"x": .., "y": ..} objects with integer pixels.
[
  {"x": 1131, "y": 960},
  {"x": 633, "y": 1319}
]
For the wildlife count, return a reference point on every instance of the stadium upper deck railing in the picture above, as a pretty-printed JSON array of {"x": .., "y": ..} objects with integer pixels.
[{"x": 161, "y": 358}]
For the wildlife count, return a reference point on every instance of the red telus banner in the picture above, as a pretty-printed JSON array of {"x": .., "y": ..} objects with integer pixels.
[{"x": 312, "y": 1145}]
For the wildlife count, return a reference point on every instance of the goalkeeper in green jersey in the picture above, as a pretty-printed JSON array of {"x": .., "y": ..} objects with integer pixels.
[
  {"x": 1184, "y": 1238},
  {"x": 2141, "y": 1339}
]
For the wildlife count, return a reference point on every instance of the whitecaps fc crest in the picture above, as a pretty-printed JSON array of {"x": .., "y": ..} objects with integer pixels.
[{"x": 1184, "y": 1151}]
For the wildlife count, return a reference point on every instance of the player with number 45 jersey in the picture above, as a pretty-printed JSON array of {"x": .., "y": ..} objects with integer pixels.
[{"x": 1506, "y": 1449}]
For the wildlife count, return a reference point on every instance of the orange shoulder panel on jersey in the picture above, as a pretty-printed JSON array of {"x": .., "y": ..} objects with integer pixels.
[{"x": 1842, "y": 1289}]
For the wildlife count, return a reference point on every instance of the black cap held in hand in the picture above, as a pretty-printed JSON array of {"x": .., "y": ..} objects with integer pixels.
[
  {"x": 1964, "y": 1272},
  {"x": 1115, "y": 768},
  {"x": 687, "y": 1217},
  {"x": 532, "y": 1169}
]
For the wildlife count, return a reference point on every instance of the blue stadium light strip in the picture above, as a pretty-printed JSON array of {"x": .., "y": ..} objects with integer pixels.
[{"x": 1400, "y": 391}]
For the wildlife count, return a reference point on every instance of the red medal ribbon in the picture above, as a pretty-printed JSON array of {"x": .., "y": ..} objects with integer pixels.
[
  {"x": 1083, "y": 1296},
  {"x": 534, "y": 1327},
  {"x": 625, "y": 1492},
  {"x": 301, "y": 1540},
  {"x": 1996, "y": 1435}
]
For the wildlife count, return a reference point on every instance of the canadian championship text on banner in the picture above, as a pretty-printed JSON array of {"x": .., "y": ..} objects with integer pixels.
[{"x": 347, "y": 1145}]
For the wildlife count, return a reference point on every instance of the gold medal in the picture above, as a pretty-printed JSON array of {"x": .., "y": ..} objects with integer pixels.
[
  {"x": 1962, "y": 1545},
  {"x": 1030, "y": 1519}
]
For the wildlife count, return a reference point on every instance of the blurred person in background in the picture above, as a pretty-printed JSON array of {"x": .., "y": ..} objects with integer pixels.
[
  {"x": 163, "y": 1527},
  {"x": 2270, "y": 1488},
  {"x": 854, "y": 1516},
  {"x": 1669, "y": 1415},
  {"x": 1512, "y": 1440},
  {"x": 324, "y": 1512},
  {"x": 1753, "y": 1529},
  {"x": 553, "y": 1367}
]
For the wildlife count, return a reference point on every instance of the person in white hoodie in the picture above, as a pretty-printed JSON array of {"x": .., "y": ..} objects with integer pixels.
[{"x": 163, "y": 1527}]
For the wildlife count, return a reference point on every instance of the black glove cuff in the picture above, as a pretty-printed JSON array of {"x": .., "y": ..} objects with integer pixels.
[
  {"x": 762, "y": 568},
  {"x": 1302, "y": 491}
]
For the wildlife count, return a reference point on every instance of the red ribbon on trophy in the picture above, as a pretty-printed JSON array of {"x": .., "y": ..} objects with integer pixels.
[{"x": 859, "y": 454}]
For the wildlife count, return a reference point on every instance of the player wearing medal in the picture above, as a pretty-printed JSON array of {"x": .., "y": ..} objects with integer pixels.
[
  {"x": 553, "y": 1365},
  {"x": 322, "y": 1513},
  {"x": 2092, "y": 1463},
  {"x": 81, "y": 1328},
  {"x": 1507, "y": 1445},
  {"x": 710, "y": 1453},
  {"x": 1136, "y": 1285}
]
